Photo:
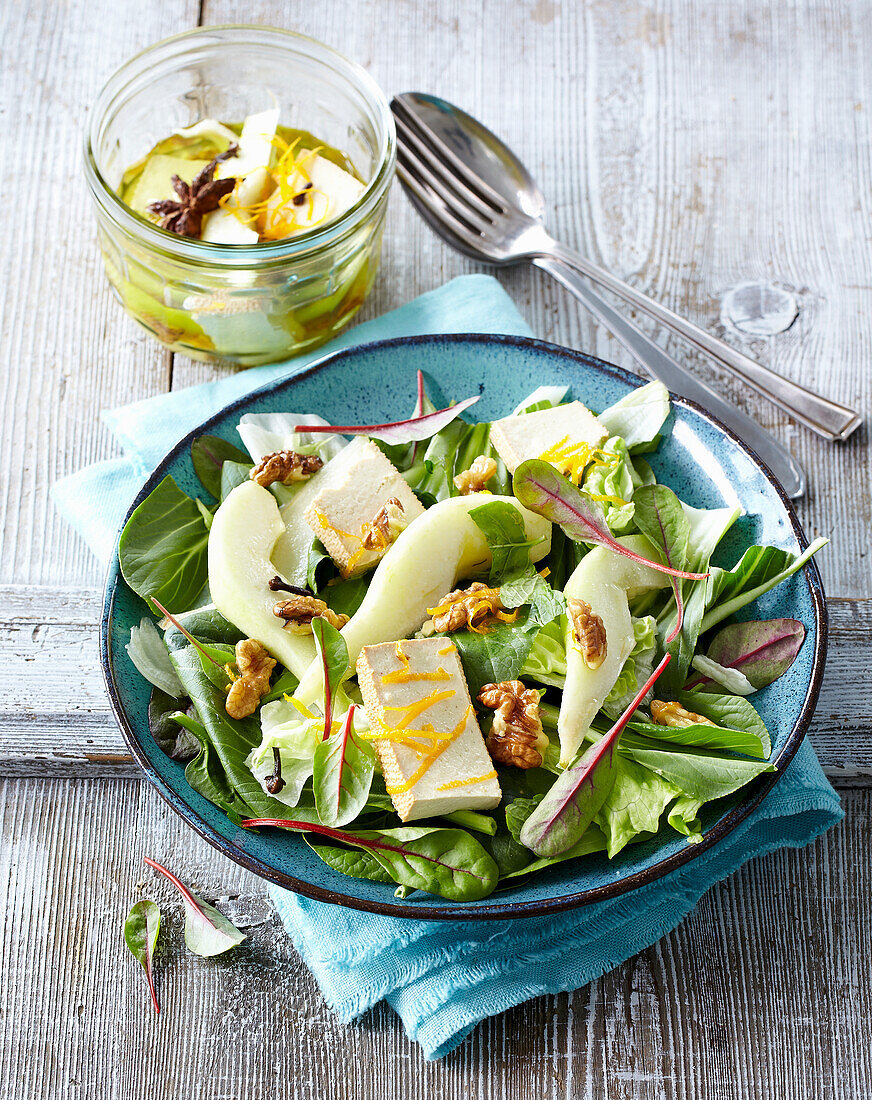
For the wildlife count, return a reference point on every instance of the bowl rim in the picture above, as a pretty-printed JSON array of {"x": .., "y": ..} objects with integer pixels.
[{"x": 499, "y": 910}]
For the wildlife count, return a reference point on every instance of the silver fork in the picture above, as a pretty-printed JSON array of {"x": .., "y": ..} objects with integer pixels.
[{"x": 479, "y": 197}]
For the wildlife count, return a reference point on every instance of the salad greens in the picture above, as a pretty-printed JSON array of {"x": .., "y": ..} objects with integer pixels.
[
  {"x": 141, "y": 930},
  {"x": 674, "y": 730}
]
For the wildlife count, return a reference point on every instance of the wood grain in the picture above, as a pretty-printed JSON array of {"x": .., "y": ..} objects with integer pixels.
[
  {"x": 68, "y": 350},
  {"x": 764, "y": 990}
]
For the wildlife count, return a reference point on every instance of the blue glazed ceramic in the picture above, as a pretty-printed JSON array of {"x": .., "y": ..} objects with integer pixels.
[{"x": 698, "y": 457}]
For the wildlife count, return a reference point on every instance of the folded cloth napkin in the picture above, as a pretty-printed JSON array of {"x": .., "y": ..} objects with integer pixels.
[{"x": 442, "y": 978}]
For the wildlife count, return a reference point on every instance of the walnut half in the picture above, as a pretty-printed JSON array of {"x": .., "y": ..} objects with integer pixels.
[
  {"x": 286, "y": 467},
  {"x": 675, "y": 715},
  {"x": 387, "y": 525},
  {"x": 477, "y": 476},
  {"x": 469, "y": 607},
  {"x": 299, "y": 611},
  {"x": 255, "y": 668},
  {"x": 516, "y": 736},
  {"x": 589, "y": 631}
]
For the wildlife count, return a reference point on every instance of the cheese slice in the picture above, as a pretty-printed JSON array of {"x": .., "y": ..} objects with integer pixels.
[
  {"x": 532, "y": 435},
  {"x": 255, "y": 144},
  {"x": 322, "y": 191},
  {"x": 424, "y": 728},
  {"x": 363, "y": 480}
]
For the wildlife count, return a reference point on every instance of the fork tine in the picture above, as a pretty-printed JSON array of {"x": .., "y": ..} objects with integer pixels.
[
  {"x": 449, "y": 197},
  {"x": 439, "y": 175},
  {"x": 437, "y": 208},
  {"x": 432, "y": 139}
]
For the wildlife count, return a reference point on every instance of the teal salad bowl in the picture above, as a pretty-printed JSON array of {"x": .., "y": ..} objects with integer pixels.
[{"x": 698, "y": 457}]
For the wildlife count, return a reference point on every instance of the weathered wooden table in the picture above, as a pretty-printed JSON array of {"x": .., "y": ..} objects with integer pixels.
[{"x": 688, "y": 147}]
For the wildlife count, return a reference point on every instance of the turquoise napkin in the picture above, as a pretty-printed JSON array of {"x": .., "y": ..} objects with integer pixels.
[{"x": 442, "y": 978}]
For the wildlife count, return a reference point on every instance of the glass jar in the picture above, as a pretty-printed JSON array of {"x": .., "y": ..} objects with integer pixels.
[{"x": 247, "y": 304}]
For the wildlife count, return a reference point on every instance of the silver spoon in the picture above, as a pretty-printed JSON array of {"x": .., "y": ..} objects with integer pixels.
[{"x": 478, "y": 196}]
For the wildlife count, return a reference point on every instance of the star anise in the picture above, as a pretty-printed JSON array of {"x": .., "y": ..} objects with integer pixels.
[{"x": 201, "y": 196}]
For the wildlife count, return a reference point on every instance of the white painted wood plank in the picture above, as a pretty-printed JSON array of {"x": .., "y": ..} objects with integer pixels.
[
  {"x": 67, "y": 348},
  {"x": 764, "y": 990}
]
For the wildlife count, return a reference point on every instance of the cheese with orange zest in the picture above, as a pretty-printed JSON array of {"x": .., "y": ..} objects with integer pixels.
[
  {"x": 563, "y": 436},
  {"x": 424, "y": 729},
  {"x": 362, "y": 481}
]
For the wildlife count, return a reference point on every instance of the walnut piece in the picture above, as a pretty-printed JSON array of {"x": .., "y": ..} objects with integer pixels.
[
  {"x": 286, "y": 467},
  {"x": 675, "y": 715},
  {"x": 516, "y": 736},
  {"x": 386, "y": 527},
  {"x": 299, "y": 611},
  {"x": 471, "y": 607},
  {"x": 477, "y": 476},
  {"x": 589, "y": 631},
  {"x": 255, "y": 667}
]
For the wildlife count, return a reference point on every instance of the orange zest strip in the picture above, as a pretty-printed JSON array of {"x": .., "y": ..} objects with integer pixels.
[{"x": 466, "y": 782}]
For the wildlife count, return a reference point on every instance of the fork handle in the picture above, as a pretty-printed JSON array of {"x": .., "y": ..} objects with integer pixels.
[
  {"x": 678, "y": 379},
  {"x": 828, "y": 418}
]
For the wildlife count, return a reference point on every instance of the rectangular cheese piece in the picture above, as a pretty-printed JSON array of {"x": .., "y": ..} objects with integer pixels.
[
  {"x": 362, "y": 482},
  {"x": 533, "y": 435},
  {"x": 432, "y": 754}
]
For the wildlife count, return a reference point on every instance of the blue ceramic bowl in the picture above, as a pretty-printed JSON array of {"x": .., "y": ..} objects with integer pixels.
[{"x": 698, "y": 457}]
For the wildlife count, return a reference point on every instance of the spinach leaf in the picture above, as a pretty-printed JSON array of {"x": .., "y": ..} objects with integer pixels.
[
  {"x": 497, "y": 655},
  {"x": 762, "y": 650},
  {"x": 208, "y": 455},
  {"x": 592, "y": 841},
  {"x": 503, "y": 528},
  {"x": 148, "y": 653},
  {"x": 759, "y": 569},
  {"x": 343, "y": 768},
  {"x": 511, "y": 567},
  {"x": 162, "y": 549},
  {"x": 207, "y": 932},
  {"x": 507, "y": 853},
  {"x": 345, "y": 596},
  {"x": 704, "y": 774},
  {"x": 140, "y": 934},
  {"x": 233, "y": 474}
]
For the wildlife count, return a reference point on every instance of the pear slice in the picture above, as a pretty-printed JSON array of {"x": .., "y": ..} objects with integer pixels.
[
  {"x": 435, "y": 551},
  {"x": 243, "y": 535},
  {"x": 605, "y": 580}
]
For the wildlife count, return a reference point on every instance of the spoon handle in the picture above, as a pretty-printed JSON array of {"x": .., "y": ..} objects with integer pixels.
[
  {"x": 678, "y": 379},
  {"x": 828, "y": 418}
]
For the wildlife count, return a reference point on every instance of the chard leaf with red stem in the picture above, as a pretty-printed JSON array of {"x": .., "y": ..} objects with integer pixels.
[
  {"x": 659, "y": 516},
  {"x": 447, "y": 862},
  {"x": 334, "y": 664},
  {"x": 207, "y": 932},
  {"x": 568, "y": 809},
  {"x": 140, "y": 934},
  {"x": 543, "y": 489},
  {"x": 762, "y": 649},
  {"x": 343, "y": 768},
  {"x": 399, "y": 431}
]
